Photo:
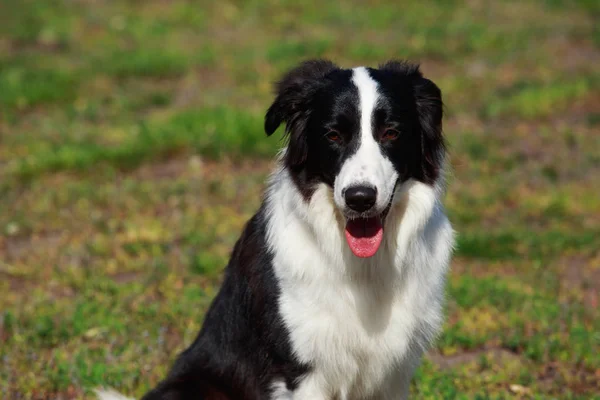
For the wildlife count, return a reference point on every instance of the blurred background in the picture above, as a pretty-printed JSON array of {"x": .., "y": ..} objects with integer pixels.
[{"x": 132, "y": 153}]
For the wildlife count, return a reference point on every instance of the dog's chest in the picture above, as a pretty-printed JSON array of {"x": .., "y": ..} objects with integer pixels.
[{"x": 353, "y": 336}]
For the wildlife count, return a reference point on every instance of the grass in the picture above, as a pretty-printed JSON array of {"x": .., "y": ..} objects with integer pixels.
[
  {"x": 211, "y": 132},
  {"x": 145, "y": 63},
  {"x": 533, "y": 101},
  {"x": 23, "y": 88},
  {"x": 132, "y": 154}
]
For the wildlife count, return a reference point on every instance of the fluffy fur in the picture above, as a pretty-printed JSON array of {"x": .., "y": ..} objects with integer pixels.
[{"x": 299, "y": 316}]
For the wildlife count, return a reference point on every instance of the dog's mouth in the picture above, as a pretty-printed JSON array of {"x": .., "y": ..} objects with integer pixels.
[{"x": 365, "y": 234}]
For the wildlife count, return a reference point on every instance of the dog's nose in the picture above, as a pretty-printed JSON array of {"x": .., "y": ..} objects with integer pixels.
[{"x": 360, "y": 198}]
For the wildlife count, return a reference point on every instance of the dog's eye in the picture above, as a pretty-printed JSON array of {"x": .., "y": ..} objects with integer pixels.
[
  {"x": 334, "y": 136},
  {"x": 389, "y": 135}
]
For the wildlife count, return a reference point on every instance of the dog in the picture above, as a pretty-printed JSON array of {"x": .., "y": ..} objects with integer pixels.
[{"x": 336, "y": 286}]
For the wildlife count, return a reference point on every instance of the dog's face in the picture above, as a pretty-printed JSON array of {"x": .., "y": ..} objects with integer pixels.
[{"x": 362, "y": 132}]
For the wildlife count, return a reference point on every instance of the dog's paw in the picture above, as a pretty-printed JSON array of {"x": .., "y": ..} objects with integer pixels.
[{"x": 110, "y": 394}]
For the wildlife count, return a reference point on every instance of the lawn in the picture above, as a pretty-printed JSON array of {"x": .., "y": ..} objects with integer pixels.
[{"x": 132, "y": 153}]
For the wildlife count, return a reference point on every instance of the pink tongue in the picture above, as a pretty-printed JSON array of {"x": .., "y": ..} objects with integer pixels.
[{"x": 364, "y": 236}]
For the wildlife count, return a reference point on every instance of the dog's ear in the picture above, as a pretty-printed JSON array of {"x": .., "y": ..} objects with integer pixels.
[
  {"x": 430, "y": 110},
  {"x": 294, "y": 93}
]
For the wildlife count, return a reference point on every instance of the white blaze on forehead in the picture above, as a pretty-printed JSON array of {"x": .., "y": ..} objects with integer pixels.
[
  {"x": 368, "y": 166},
  {"x": 367, "y": 93}
]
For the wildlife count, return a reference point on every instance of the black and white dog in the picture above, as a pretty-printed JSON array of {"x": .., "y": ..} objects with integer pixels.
[{"x": 335, "y": 288}]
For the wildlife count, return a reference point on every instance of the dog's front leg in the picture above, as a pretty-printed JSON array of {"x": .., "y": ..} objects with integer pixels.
[{"x": 313, "y": 387}]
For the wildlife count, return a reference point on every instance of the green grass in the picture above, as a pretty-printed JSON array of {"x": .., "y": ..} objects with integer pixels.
[
  {"x": 519, "y": 243},
  {"x": 132, "y": 153},
  {"x": 527, "y": 100},
  {"x": 23, "y": 88},
  {"x": 211, "y": 132},
  {"x": 31, "y": 22},
  {"x": 145, "y": 63}
]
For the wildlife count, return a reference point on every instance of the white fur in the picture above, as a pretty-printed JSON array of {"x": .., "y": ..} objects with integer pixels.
[
  {"x": 361, "y": 323},
  {"x": 368, "y": 166}
]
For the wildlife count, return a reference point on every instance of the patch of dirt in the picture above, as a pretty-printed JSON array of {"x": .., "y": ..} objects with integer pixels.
[
  {"x": 179, "y": 166},
  {"x": 578, "y": 379},
  {"x": 14, "y": 247},
  {"x": 15, "y": 283},
  {"x": 571, "y": 55},
  {"x": 194, "y": 87},
  {"x": 58, "y": 291},
  {"x": 581, "y": 109},
  {"x": 39, "y": 45},
  {"x": 21, "y": 286},
  {"x": 5, "y": 46},
  {"x": 581, "y": 274},
  {"x": 494, "y": 354},
  {"x": 126, "y": 277},
  {"x": 484, "y": 269},
  {"x": 435, "y": 68},
  {"x": 167, "y": 169},
  {"x": 244, "y": 166}
]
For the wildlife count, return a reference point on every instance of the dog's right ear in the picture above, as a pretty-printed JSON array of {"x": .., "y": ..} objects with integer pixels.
[{"x": 294, "y": 93}]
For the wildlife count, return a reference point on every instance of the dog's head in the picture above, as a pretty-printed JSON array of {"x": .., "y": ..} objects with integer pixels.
[{"x": 362, "y": 132}]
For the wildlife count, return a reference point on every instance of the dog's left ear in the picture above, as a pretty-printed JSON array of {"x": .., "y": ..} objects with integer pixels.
[
  {"x": 430, "y": 110},
  {"x": 295, "y": 92}
]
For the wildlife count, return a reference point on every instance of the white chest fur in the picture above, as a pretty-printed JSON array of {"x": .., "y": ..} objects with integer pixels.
[{"x": 362, "y": 324}]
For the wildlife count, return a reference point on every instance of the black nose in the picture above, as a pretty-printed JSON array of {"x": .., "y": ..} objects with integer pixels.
[{"x": 360, "y": 198}]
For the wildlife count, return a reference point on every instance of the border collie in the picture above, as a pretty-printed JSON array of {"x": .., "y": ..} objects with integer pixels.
[{"x": 335, "y": 288}]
